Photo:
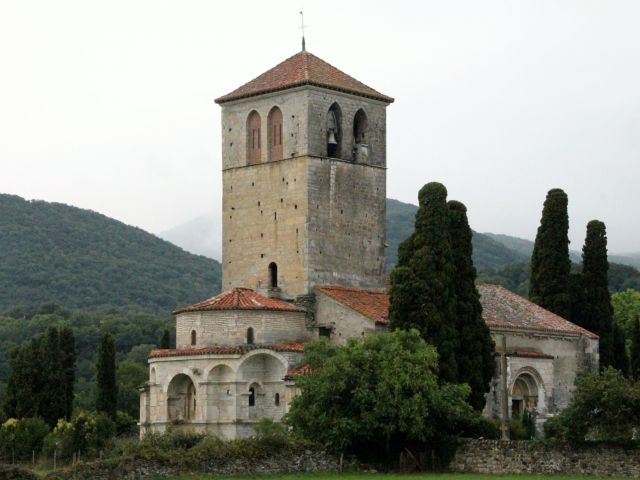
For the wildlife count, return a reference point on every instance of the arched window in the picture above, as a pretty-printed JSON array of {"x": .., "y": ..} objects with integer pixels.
[
  {"x": 193, "y": 337},
  {"x": 249, "y": 336},
  {"x": 274, "y": 129},
  {"x": 252, "y": 397},
  {"x": 277, "y": 399},
  {"x": 334, "y": 131},
  {"x": 253, "y": 138},
  {"x": 273, "y": 275}
]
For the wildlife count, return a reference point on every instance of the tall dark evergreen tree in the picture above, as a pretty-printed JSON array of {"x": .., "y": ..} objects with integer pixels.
[
  {"x": 475, "y": 360},
  {"x": 422, "y": 294},
  {"x": 620, "y": 360},
  {"x": 634, "y": 369},
  {"x": 53, "y": 392},
  {"x": 107, "y": 398},
  {"x": 550, "y": 264},
  {"x": 165, "y": 340},
  {"x": 22, "y": 397},
  {"x": 597, "y": 312},
  {"x": 68, "y": 352}
]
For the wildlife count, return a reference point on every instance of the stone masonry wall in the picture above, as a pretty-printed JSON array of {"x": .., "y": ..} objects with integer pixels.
[
  {"x": 515, "y": 457},
  {"x": 137, "y": 468},
  {"x": 229, "y": 327}
]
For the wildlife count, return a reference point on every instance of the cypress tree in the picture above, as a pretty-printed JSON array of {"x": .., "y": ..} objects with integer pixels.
[
  {"x": 68, "y": 353},
  {"x": 619, "y": 356},
  {"x": 107, "y": 398},
  {"x": 635, "y": 350},
  {"x": 165, "y": 340},
  {"x": 475, "y": 358},
  {"x": 22, "y": 397},
  {"x": 52, "y": 395},
  {"x": 422, "y": 294},
  {"x": 597, "y": 312},
  {"x": 550, "y": 264}
]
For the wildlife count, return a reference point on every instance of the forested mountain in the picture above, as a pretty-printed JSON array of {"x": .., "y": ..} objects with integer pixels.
[
  {"x": 55, "y": 253},
  {"x": 487, "y": 253}
]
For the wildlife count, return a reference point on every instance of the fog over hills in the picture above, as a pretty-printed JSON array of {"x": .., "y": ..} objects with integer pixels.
[{"x": 202, "y": 235}]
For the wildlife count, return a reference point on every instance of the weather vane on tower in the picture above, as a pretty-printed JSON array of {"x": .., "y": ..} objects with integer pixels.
[{"x": 302, "y": 25}]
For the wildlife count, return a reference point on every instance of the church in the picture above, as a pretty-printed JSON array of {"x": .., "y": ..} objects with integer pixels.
[{"x": 304, "y": 186}]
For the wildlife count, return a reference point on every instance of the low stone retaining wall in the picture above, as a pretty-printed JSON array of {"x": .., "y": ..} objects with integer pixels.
[
  {"x": 138, "y": 468},
  {"x": 512, "y": 457},
  {"x": 10, "y": 472}
]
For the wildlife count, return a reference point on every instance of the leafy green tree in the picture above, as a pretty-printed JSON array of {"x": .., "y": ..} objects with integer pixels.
[
  {"x": 550, "y": 264},
  {"x": 635, "y": 350},
  {"x": 376, "y": 394},
  {"x": 619, "y": 356},
  {"x": 475, "y": 359},
  {"x": 604, "y": 407},
  {"x": 68, "y": 353},
  {"x": 626, "y": 307},
  {"x": 165, "y": 340},
  {"x": 422, "y": 294},
  {"x": 107, "y": 398},
  {"x": 597, "y": 312},
  {"x": 130, "y": 376}
]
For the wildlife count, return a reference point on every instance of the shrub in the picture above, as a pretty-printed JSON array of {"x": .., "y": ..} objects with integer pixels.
[
  {"x": 604, "y": 407},
  {"x": 482, "y": 427},
  {"x": 20, "y": 439},
  {"x": 86, "y": 433},
  {"x": 517, "y": 431}
]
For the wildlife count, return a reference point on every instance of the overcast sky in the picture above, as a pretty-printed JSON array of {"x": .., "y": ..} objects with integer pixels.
[{"x": 109, "y": 105}]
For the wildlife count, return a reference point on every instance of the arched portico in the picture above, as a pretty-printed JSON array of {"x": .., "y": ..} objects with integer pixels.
[
  {"x": 181, "y": 399},
  {"x": 221, "y": 393},
  {"x": 260, "y": 377}
]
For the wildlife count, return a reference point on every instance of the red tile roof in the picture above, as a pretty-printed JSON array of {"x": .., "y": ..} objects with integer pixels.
[
  {"x": 240, "y": 299},
  {"x": 301, "y": 370},
  {"x": 504, "y": 309},
  {"x": 373, "y": 304},
  {"x": 500, "y": 309},
  {"x": 303, "y": 68},
  {"x": 292, "y": 347}
]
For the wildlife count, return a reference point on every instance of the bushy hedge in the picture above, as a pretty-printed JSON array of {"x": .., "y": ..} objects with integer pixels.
[
  {"x": 87, "y": 434},
  {"x": 20, "y": 439},
  {"x": 605, "y": 408}
]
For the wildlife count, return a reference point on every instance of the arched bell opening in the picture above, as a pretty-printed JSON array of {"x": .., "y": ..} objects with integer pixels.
[
  {"x": 334, "y": 132},
  {"x": 360, "y": 137}
]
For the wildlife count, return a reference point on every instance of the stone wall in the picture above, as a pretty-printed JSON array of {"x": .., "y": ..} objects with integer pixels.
[
  {"x": 137, "y": 468},
  {"x": 229, "y": 327},
  {"x": 514, "y": 457}
]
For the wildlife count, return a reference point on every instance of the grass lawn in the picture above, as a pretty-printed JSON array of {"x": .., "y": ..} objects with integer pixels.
[{"x": 382, "y": 476}]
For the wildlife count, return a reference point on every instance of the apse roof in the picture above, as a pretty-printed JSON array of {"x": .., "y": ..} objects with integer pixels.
[
  {"x": 240, "y": 299},
  {"x": 303, "y": 68}
]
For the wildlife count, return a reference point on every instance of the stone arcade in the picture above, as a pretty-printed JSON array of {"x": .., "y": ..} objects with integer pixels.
[{"x": 304, "y": 188}]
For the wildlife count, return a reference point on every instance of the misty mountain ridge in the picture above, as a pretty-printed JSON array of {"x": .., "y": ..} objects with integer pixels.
[{"x": 203, "y": 236}]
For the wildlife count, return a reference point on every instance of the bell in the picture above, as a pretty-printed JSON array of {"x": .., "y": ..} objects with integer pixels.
[{"x": 332, "y": 138}]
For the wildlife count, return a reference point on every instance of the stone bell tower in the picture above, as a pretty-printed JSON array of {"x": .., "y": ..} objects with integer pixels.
[{"x": 304, "y": 180}]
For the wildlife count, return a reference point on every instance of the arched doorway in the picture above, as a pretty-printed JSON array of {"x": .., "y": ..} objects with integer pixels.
[
  {"x": 524, "y": 395},
  {"x": 181, "y": 399}
]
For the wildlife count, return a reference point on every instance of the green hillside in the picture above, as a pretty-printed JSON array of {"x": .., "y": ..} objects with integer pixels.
[
  {"x": 487, "y": 253},
  {"x": 55, "y": 253}
]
